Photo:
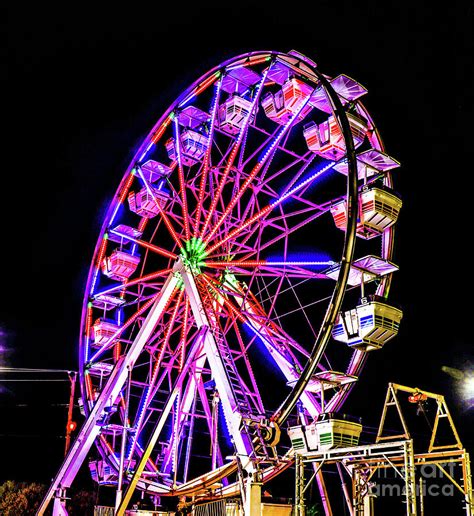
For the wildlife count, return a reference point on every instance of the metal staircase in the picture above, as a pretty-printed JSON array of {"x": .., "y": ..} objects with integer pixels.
[{"x": 251, "y": 424}]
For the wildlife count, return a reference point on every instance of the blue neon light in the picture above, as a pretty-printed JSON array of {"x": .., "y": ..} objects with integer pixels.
[
  {"x": 150, "y": 145},
  {"x": 310, "y": 256}
]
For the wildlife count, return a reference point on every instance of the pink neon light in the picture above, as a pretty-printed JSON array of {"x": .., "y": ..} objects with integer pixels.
[
  {"x": 156, "y": 368},
  {"x": 126, "y": 187},
  {"x": 143, "y": 223},
  {"x": 225, "y": 301},
  {"x": 151, "y": 247},
  {"x": 207, "y": 157},
  {"x": 238, "y": 229},
  {"x": 230, "y": 162},
  {"x": 161, "y": 130},
  {"x": 256, "y": 170}
]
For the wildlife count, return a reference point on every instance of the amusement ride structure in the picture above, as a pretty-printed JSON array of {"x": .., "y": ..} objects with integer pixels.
[{"x": 225, "y": 296}]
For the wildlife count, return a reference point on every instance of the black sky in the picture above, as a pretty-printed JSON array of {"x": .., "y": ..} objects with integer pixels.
[{"x": 82, "y": 85}]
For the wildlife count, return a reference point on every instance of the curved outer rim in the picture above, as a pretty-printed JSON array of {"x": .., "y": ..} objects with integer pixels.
[
  {"x": 349, "y": 242},
  {"x": 352, "y": 198}
]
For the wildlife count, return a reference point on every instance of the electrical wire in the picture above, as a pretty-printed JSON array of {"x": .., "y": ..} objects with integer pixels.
[{"x": 34, "y": 380}]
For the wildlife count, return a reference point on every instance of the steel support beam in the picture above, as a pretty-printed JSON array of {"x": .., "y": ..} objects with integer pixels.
[
  {"x": 242, "y": 444},
  {"x": 91, "y": 429}
]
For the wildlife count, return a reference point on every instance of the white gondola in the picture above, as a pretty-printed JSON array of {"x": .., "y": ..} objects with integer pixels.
[
  {"x": 102, "y": 472},
  {"x": 379, "y": 208},
  {"x": 368, "y": 326},
  {"x": 101, "y": 369},
  {"x": 107, "y": 301},
  {"x": 109, "y": 408},
  {"x": 233, "y": 113},
  {"x": 105, "y": 474},
  {"x": 363, "y": 270},
  {"x": 369, "y": 163},
  {"x": 337, "y": 431},
  {"x": 148, "y": 202},
  {"x": 102, "y": 331},
  {"x": 239, "y": 80},
  {"x": 154, "y": 170},
  {"x": 281, "y": 106},
  {"x": 304, "y": 438},
  {"x": 326, "y": 139},
  {"x": 193, "y": 147},
  {"x": 329, "y": 431},
  {"x": 120, "y": 265},
  {"x": 347, "y": 89},
  {"x": 122, "y": 234}
]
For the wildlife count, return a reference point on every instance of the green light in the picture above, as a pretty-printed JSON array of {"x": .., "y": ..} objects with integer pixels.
[
  {"x": 193, "y": 254},
  {"x": 180, "y": 283}
]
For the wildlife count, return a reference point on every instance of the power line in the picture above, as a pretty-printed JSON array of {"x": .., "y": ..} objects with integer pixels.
[
  {"x": 33, "y": 370},
  {"x": 35, "y": 380}
]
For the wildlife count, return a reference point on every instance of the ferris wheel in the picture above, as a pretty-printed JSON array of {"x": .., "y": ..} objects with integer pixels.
[{"x": 225, "y": 294}]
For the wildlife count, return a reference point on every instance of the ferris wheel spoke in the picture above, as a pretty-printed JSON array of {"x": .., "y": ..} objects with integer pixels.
[
  {"x": 277, "y": 343},
  {"x": 146, "y": 245},
  {"x": 158, "y": 427},
  {"x": 207, "y": 159},
  {"x": 241, "y": 354},
  {"x": 142, "y": 280},
  {"x": 296, "y": 268},
  {"x": 273, "y": 325},
  {"x": 268, "y": 154},
  {"x": 146, "y": 397},
  {"x": 231, "y": 159},
  {"x": 282, "y": 148},
  {"x": 313, "y": 215}
]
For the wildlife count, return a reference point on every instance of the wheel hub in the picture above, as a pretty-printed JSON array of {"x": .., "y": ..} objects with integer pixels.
[{"x": 193, "y": 254}]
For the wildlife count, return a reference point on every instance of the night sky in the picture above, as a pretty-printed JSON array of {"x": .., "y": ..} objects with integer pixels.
[{"x": 82, "y": 87}]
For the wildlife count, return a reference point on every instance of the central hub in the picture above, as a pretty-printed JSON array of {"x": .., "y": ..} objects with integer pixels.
[{"x": 193, "y": 254}]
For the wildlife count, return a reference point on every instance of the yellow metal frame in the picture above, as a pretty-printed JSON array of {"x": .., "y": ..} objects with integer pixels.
[{"x": 442, "y": 411}]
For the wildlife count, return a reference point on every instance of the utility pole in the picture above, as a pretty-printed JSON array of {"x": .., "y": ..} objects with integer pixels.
[{"x": 70, "y": 423}]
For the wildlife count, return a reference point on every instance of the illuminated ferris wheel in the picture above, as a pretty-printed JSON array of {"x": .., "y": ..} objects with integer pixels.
[{"x": 225, "y": 296}]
